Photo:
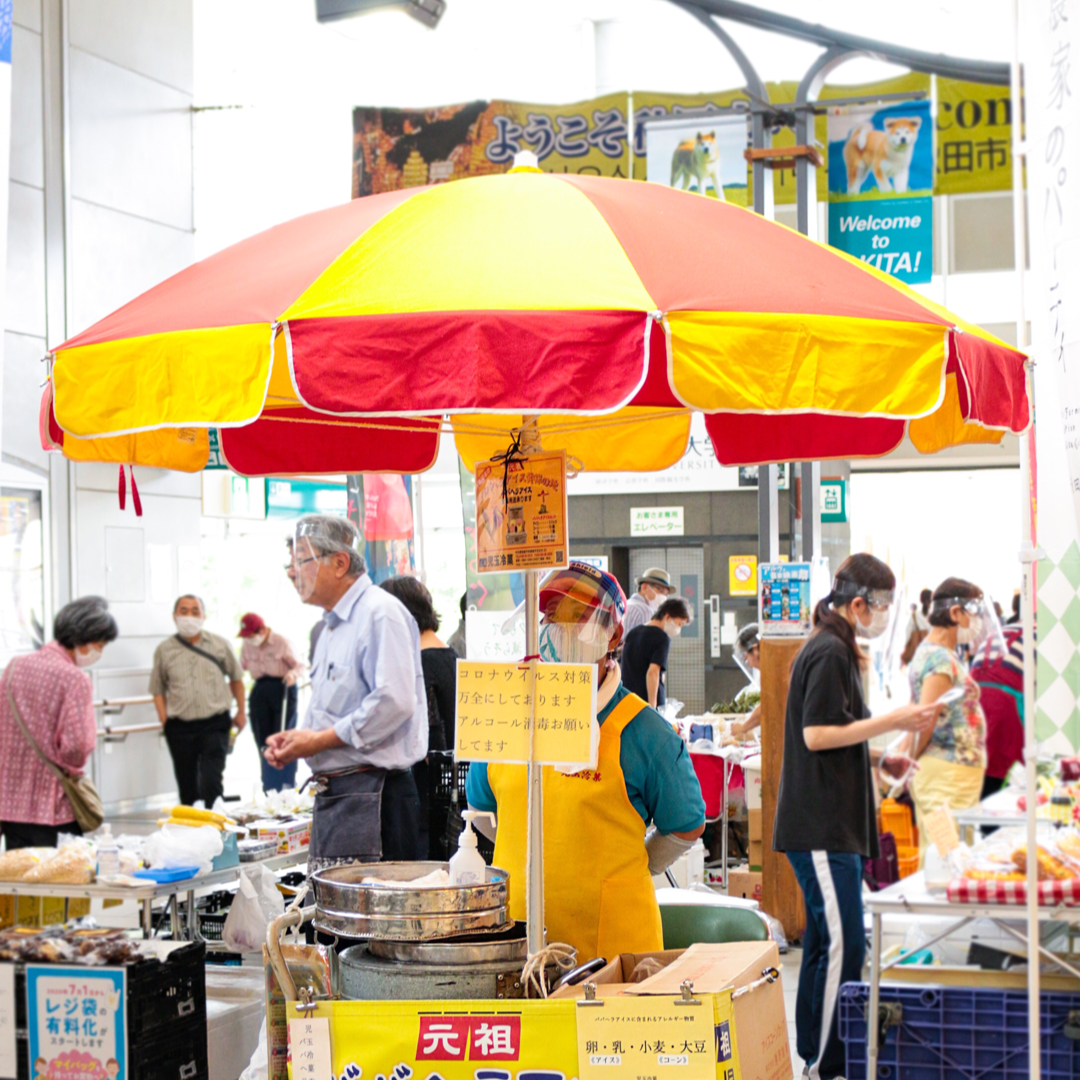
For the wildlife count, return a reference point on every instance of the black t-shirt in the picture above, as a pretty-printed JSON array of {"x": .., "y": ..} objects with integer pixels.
[
  {"x": 826, "y": 797},
  {"x": 645, "y": 645},
  {"x": 440, "y": 682}
]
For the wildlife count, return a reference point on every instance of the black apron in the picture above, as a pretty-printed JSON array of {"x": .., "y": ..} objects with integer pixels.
[{"x": 347, "y": 822}]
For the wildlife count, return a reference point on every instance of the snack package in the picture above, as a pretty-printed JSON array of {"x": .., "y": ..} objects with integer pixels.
[
  {"x": 72, "y": 865},
  {"x": 14, "y": 865}
]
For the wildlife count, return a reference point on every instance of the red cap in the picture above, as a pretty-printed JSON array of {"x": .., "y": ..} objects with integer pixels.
[{"x": 251, "y": 624}]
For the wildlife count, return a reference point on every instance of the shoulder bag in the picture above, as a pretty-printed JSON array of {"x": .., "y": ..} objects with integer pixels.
[
  {"x": 80, "y": 790},
  {"x": 216, "y": 661}
]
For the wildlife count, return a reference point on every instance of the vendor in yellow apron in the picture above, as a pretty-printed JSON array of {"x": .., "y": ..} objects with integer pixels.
[{"x": 598, "y": 890}]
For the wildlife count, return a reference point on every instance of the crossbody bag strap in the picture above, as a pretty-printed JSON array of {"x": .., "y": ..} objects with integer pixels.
[
  {"x": 23, "y": 728},
  {"x": 219, "y": 664}
]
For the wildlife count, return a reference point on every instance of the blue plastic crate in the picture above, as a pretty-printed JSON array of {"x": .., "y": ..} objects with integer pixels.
[{"x": 953, "y": 1033}]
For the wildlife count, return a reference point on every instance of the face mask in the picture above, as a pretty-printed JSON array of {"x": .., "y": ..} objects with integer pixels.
[
  {"x": 262, "y": 638},
  {"x": 566, "y": 643},
  {"x": 968, "y": 635},
  {"x": 188, "y": 625},
  {"x": 88, "y": 658},
  {"x": 655, "y": 602},
  {"x": 672, "y": 629},
  {"x": 879, "y": 622}
]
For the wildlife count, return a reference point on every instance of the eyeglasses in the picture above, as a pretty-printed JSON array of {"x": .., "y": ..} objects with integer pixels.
[{"x": 304, "y": 562}]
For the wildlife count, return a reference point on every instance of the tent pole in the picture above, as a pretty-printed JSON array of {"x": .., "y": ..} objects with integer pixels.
[
  {"x": 1027, "y": 558},
  {"x": 530, "y": 444}
]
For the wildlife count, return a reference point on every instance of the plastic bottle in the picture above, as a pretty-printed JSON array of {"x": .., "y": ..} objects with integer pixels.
[
  {"x": 108, "y": 853},
  {"x": 467, "y": 867}
]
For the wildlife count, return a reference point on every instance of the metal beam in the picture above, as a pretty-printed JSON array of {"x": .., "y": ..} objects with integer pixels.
[{"x": 984, "y": 71}]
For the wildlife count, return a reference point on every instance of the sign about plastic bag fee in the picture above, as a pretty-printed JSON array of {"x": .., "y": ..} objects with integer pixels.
[
  {"x": 75, "y": 1017},
  {"x": 521, "y": 514},
  {"x": 496, "y": 711}
]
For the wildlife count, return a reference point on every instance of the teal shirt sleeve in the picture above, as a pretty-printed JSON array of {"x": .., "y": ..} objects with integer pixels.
[
  {"x": 660, "y": 778},
  {"x": 478, "y": 790}
]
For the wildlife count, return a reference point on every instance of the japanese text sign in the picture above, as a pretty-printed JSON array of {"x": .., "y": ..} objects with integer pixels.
[
  {"x": 742, "y": 575},
  {"x": 656, "y": 521},
  {"x": 75, "y": 1017},
  {"x": 654, "y": 1037},
  {"x": 502, "y": 707},
  {"x": 784, "y": 598},
  {"x": 418, "y": 1040},
  {"x": 309, "y": 1048},
  {"x": 521, "y": 513}
]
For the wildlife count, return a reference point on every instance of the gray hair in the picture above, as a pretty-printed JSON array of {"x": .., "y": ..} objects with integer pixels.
[
  {"x": 328, "y": 534},
  {"x": 190, "y": 596},
  {"x": 84, "y": 622}
]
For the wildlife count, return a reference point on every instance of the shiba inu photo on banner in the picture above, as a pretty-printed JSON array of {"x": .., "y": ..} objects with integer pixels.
[
  {"x": 703, "y": 154},
  {"x": 880, "y": 152}
]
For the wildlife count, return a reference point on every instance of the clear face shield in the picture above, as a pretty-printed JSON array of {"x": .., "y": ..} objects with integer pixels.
[
  {"x": 747, "y": 653},
  {"x": 880, "y": 603},
  {"x": 581, "y": 611},
  {"x": 316, "y": 540},
  {"x": 983, "y": 631}
]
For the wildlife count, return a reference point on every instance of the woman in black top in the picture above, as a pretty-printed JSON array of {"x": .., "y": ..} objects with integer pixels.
[
  {"x": 439, "y": 665},
  {"x": 825, "y": 816}
]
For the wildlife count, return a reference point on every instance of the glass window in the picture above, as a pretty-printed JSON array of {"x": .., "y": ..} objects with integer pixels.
[
  {"x": 22, "y": 576},
  {"x": 982, "y": 232}
]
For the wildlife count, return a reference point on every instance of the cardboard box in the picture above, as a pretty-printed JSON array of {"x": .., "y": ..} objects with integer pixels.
[
  {"x": 291, "y": 835},
  {"x": 745, "y": 883},
  {"x": 755, "y": 824},
  {"x": 760, "y": 1022},
  {"x": 756, "y": 854},
  {"x": 761, "y": 1031}
]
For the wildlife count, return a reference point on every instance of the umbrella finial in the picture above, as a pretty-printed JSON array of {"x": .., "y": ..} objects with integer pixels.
[{"x": 526, "y": 161}]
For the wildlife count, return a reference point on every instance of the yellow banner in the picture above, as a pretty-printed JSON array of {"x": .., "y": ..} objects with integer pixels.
[
  {"x": 974, "y": 138},
  {"x": 496, "y": 710},
  {"x": 452, "y": 1040}
]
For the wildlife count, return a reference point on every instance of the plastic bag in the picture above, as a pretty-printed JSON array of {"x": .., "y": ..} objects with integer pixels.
[
  {"x": 15, "y": 864},
  {"x": 257, "y": 902},
  {"x": 257, "y": 1067},
  {"x": 72, "y": 865},
  {"x": 181, "y": 845}
]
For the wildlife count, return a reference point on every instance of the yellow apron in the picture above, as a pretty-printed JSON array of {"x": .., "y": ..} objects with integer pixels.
[{"x": 598, "y": 894}]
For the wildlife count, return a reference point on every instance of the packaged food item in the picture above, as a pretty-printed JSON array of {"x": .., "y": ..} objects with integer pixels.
[
  {"x": 72, "y": 865},
  {"x": 974, "y": 874},
  {"x": 14, "y": 865},
  {"x": 1051, "y": 867}
]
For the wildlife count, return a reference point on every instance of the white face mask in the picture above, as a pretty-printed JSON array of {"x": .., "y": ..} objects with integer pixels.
[
  {"x": 656, "y": 601},
  {"x": 188, "y": 625},
  {"x": 879, "y": 622},
  {"x": 672, "y": 629},
  {"x": 968, "y": 635},
  {"x": 568, "y": 643},
  {"x": 88, "y": 658}
]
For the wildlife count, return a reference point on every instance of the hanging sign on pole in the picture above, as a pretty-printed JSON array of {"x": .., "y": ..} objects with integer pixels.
[{"x": 521, "y": 513}]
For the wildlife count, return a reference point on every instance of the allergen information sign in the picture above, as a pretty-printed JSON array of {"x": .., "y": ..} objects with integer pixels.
[
  {"x": 651, "y": 1037},
  {"x": 521, "y": 514},
  {"x": 784, "y": 599},
  {"x": 495, "y": 712},
  {"x": 75, "y": 1017}
]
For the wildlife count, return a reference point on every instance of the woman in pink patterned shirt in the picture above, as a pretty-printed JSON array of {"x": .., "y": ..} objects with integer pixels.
[{"x": 54, "y": 697}]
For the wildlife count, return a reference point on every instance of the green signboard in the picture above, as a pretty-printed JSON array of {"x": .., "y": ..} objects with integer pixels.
[{"x": 834, "y": 501}]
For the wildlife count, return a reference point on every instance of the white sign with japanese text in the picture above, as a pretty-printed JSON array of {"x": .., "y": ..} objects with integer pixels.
[
  {"x": 309, "y": 1048},
  {"x": 656, "y": 521}
]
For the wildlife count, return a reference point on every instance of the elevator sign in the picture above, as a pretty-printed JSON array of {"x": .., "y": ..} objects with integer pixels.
[{"x": 834, "y": 501}]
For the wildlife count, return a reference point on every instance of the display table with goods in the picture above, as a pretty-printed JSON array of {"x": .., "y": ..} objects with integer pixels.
[
  {"x": 574, "y": 326},
  {"x": 189, "y": 856}
]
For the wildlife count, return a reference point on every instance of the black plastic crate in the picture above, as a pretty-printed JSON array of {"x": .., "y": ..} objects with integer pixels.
[
  {"x": 161, "y": 994},
  {"x": 212, "y": 926},
  {"x": 179, "y": 1054}
]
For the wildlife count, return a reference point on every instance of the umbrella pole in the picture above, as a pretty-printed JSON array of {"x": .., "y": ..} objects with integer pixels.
[{"x": 534, "y": 907}]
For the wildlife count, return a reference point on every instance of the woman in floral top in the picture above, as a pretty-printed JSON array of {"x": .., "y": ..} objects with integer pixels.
[{"x": 951, "y": 756}]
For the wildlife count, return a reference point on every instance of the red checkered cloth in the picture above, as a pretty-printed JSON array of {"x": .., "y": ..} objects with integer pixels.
[{"x": 1051, "y": 893}]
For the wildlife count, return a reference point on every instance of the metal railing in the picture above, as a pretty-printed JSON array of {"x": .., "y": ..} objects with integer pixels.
[{"x": 114, "y": 707}]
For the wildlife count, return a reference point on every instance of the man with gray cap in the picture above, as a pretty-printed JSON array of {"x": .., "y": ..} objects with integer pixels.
[
  {"x": 654, "y": 587},
  {"x": 368, "y": 722}
]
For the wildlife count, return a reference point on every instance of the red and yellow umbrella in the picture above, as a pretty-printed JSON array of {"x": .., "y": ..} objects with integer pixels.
[{"x": 340, "y": 342}]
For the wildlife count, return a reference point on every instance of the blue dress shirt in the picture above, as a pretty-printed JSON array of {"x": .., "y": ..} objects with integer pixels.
[{"x": 367, "y": 683}]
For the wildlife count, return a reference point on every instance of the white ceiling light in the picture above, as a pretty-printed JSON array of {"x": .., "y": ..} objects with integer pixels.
[{"x": 429, "y": 12}]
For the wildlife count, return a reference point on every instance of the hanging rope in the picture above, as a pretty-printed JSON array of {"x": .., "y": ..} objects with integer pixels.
[{"x": 534, "y": 973}]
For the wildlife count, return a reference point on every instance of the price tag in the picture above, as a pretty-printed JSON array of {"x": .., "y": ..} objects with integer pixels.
[
  {"x": 652, "y": 1037},
  {"x": 941, "y": 830},
  {"x": 9, "y": 1064},
  {"x": 309, "y": 1048}
]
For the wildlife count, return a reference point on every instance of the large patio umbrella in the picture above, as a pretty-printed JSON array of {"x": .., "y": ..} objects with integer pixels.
[
  {"x": 340, "y": 341},
  {"x": 596, "y": 314}
]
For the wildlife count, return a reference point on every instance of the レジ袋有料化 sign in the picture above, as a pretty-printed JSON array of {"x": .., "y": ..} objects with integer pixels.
[
  {"x": 499, "y": 704},
  {"x": 521, "y": 513}
]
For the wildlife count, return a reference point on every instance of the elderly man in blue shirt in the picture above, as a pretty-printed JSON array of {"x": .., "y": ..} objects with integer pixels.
[{"x": 368, "y": 720}]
